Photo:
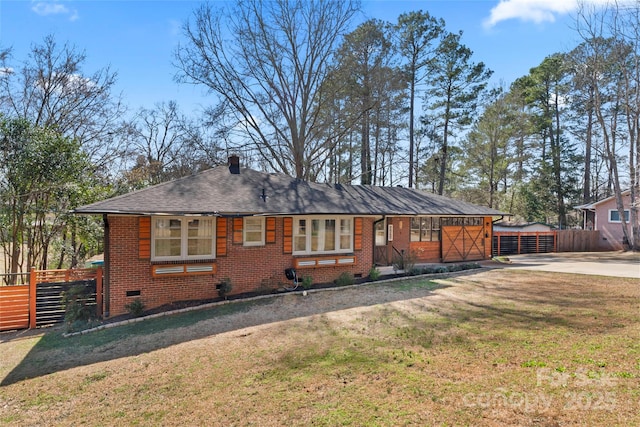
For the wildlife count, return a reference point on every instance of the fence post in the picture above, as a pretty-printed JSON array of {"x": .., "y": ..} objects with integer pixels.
[
  {"x": 32, "y": 298},
  {"x": 99, "y": 292}
]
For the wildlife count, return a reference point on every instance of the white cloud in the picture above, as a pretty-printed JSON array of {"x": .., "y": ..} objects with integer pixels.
[
  {"x": 67, "y": 83},
  {"x": 46, "y": 8},
  {"x": 537, "y": 11}
]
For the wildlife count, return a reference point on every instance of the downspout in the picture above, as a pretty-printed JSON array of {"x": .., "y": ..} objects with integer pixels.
[
  {"x": 106, "y": 268},
  {"x": 492, "y": 223},
  {"x": 383, "y": 217}
]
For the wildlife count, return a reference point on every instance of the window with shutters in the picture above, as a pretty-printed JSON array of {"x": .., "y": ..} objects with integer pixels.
[
  {"x": 253, "y": 231},
  {"x": 182, "y": 238},
  {"x": 322, "y": 235}
]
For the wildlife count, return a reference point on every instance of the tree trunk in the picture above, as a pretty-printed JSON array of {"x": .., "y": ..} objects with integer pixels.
[
  {"x": 443, "y": 154},
  {"x": 412, "y": 94},
  {"x": 586, "y": 186}
]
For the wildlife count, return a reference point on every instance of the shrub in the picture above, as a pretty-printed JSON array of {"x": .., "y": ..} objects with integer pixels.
[
  {"x": 135, "y": 307},
  {"x": 224, "y": 288},
  {"x": 78, "y": 314},
  {"x": 345, "y": 279},
  {"x": 471, "y": 266},
  {"x": 307, "y": 281},
  {"x": 374, "y": 273},
  {"x": 404, "y": 261},
  {"x": 75, "y": 304},
  {"x": 415, "y": 271}
]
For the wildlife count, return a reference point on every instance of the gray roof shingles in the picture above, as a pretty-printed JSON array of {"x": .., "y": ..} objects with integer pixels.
[{"x": 216, "y": 191}]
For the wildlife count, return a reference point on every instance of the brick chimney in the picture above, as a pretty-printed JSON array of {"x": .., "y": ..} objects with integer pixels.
[{"x": 234, "y": 164}]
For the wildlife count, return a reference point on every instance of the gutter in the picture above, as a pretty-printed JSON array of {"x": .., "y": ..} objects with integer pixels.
[
  {"x": 373, "y": 233},
  {"x": 106, "y": 288}
]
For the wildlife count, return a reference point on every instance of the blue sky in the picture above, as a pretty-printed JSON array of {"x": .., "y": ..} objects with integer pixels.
[{"x": 137, "y": 38}]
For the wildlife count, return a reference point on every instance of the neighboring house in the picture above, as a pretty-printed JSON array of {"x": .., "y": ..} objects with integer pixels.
[
  {"x": 524, "y": 227},
  {"x": 604, "y": 217},
  {"x": 179, "y": 240}
]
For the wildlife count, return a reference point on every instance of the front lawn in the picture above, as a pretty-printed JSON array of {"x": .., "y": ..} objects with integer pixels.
[{"x": 500, "y": 347}]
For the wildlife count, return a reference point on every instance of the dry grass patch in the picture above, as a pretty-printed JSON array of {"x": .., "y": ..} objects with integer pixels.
[{"x": 490, "y": 348}]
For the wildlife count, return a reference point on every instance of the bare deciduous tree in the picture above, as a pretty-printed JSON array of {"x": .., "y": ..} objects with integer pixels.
[
  {"x": 51, "y": 90},
  {"x": 267, "y": 61},
  {"x": 611, "y": 35}
]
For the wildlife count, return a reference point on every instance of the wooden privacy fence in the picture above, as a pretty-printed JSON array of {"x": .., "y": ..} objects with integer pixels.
[
  {"x": 522, "y": 242},
  {"x": 14, "y": 307},
  {"x": 40, "y": 302},
  {"x": 578, "y": 240}
]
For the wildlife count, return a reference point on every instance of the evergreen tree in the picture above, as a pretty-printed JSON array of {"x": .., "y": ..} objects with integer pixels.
[{"x": 455, "y": 87}]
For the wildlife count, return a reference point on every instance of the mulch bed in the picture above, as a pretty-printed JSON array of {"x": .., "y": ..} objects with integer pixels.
[{"x": 177, "y": 305}]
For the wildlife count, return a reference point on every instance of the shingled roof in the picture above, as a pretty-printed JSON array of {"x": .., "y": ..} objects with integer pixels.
[{"x": 217, "y": 191}]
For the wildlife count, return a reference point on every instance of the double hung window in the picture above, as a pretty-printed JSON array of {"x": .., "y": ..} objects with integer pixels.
[
  {"x": 253, "y": 231},
  {"x": 322, "y": 235},
  {"x": 182, "y": 238}
]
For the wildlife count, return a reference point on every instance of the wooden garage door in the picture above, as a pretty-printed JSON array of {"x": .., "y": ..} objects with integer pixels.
[{"x": 462, "y": 243}]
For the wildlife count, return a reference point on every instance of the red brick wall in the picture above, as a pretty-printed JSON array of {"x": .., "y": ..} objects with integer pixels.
[
  {"x": 251, "y": 269},
  {"x": 401, "y": 233}
]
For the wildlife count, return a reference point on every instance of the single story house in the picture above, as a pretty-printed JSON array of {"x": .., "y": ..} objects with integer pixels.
[
  {"x": 605, "y": 217},
  {"x": 179, "y": 240}
]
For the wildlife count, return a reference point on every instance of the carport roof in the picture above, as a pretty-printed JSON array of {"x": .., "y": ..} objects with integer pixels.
[{"x": 217, "y": 191}]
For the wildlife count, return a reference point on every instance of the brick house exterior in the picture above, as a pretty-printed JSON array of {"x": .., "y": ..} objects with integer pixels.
[
  {"x": 179, "y": 240},
  {"x": 250, "y": 269}
]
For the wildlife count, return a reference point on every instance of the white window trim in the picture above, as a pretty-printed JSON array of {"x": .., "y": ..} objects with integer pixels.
[
  {"x": 626, "y": 214},
  {"x": 184, "y": 240},
  {"x": 262, "y": 231},
  {"x": 338, "y": 234}
]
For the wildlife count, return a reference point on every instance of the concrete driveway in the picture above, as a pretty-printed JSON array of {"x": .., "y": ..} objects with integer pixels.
[{"x": 614, "y": 264}]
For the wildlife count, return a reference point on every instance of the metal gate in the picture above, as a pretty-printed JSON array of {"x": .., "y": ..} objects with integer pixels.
[{"x": 462, "y": 243}]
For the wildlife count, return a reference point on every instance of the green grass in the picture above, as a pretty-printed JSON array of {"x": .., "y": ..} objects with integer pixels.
[
  {"x": 85, "y": 342},
  {"x": 496, "y": 348}
]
